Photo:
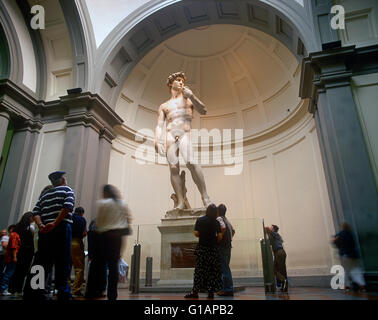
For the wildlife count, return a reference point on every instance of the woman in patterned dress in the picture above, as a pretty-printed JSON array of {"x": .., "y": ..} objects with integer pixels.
[{"x": 207, "y": 271}]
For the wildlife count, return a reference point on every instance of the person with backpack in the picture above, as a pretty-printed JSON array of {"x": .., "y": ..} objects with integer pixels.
[{"x": 225, "y": 252}]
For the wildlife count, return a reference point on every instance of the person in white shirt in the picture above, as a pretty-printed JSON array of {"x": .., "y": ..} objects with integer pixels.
[{"x": 112, "y": 222}]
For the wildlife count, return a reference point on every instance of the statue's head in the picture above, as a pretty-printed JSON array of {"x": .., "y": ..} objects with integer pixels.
[{"x": 176, "y": 80}]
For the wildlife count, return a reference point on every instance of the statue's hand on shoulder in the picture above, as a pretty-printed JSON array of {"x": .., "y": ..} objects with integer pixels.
[{"x": 187, "y": 93}]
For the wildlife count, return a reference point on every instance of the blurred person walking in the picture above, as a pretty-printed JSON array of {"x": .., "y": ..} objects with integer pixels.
[
  {"x": 345, "y": 242},
  {"x": 113, "y": 222},
  {"x": 207, "y": 271}
]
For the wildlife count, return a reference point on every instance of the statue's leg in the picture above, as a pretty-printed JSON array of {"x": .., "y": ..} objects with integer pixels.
[
  {"x": 174, "y": 168},
  {"x": 186, "y": 150}
]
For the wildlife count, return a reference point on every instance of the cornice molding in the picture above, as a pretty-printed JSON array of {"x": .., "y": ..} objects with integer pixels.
[
  {"x": 90, "y": 109},
  {"x": 85, "y": 109},
  {"x": 334, "y": 68}
]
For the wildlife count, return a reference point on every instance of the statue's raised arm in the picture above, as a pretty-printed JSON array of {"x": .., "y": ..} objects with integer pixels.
[{"x": 197, "y": 103}]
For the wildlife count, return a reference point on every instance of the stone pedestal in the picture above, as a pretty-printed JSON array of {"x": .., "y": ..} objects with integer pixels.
[{"x": 177, "y": 246}]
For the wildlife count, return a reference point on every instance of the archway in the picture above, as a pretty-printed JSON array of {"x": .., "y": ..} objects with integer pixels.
[
  {"x": 155, "y": 22},
  {"x": 274, "y": 150}
]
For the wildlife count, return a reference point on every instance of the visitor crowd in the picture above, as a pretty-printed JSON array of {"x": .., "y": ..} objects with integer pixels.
[{"x": 60, "y": 247}]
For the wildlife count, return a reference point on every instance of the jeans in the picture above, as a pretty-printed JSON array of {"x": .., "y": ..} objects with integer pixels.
[
  {"x": 225, "y": 257},
  {"x": 7, "y": 275}
]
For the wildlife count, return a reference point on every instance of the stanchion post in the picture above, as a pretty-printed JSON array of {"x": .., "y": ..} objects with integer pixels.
[
  {"x": 132, "y": 270},
  {"x": 137, "y": 249},
  {"x": 148, "y": 272}
]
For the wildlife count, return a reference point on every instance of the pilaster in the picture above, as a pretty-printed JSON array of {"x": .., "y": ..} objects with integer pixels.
[
  {"x": 13, "y": 190},
  {"x": 86, "y": 155},
  {"x": 325, "y": 80}
]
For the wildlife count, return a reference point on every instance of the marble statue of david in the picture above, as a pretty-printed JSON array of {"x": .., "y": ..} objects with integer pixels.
[{"x": 178, "y": 113}]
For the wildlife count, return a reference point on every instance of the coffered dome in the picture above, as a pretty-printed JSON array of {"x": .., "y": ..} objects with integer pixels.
[{"x": 246, "y": 78}]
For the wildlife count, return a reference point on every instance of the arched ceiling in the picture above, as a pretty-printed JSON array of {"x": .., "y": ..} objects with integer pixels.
[
  {"x": 246, "y": 78},
  {"x": 158, "y": 21}
]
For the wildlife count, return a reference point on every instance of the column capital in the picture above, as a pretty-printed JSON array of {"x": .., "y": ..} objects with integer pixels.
[
  {"x": 17, "y": 102},
  {"x": 90, "y": 110},
  {"x": 4, "y": 113},
  {"x": 334, "y": 68},
  {"x": 31, "y": 125},
  {"x": 107, "y": 135}
]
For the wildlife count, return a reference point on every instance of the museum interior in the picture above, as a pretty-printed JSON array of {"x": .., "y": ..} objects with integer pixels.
[{"x": 293, "y": 101}]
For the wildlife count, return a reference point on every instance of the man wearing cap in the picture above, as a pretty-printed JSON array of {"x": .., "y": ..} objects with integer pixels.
[{"x": 52, "y": 214}]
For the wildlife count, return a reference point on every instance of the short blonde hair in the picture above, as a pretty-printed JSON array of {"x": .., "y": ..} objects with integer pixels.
[{"x": 174, "y": 76}]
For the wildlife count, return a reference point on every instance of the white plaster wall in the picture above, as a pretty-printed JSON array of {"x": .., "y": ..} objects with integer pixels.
[
  {"x": 27, "y": 51},
  {"x": 365, "y": 91},
  {"x": 47, "y": 159},
  {"x": 282, "y": 181}
]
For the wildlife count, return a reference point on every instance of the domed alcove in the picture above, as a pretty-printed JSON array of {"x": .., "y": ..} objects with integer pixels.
[{"x": 248, "y": 80}]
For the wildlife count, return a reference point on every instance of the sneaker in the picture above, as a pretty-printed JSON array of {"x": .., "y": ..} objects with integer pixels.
[{"x": 5, "y": 293}]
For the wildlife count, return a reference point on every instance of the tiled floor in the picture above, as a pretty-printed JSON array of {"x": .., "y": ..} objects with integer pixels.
[
  {"x": 250, "y": 293},
  {"x": 257, "y": 293}
]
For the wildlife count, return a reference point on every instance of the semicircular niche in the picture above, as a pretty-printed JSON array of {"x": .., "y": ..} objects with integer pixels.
[{"x": 246, "y": 78}]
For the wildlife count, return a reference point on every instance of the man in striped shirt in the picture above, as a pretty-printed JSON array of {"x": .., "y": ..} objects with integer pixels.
[{"x": 52, "y": 214}]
